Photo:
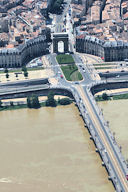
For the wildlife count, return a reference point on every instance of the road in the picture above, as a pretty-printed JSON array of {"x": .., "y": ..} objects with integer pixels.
[{"x": 59, "y": 18}]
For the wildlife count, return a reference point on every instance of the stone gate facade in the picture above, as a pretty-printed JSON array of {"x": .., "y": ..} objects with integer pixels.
[{"x": 57, "y": 37}]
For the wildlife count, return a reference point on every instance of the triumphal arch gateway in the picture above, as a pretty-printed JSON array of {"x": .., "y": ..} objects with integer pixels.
[{"x": 60, "y": 37}]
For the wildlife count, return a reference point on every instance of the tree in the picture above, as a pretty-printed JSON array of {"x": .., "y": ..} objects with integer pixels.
[
  {"x": 7, "y": 75},
  {"x": 70, "y": 67},
  {"x": 65, "y": 101},
  {"x": 25, "y": 74},
  {"x": 58, "y": 99},
  {"x": 56, "y": 6},
  {"x": 16, "y": 75},
  {"x": 33, "y": 102},
  {"x": 51, "y": 101},
  {"x": 29, "y": 102},
  {"x": 0, "y": 103},
  {"x": 11, "y": 103},
  {"x": 104, "y": 96},
  {"x": 5, "y": 70},
  {"x": 24, "y": 69}
]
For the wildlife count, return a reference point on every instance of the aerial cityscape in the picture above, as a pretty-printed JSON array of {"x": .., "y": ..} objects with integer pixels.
[{"x": 63, "y": 95}]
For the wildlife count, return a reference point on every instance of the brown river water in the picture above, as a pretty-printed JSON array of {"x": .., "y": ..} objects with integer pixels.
[
  {"x": 48, "y": 150},
  {"x": 116, "y": 112}
]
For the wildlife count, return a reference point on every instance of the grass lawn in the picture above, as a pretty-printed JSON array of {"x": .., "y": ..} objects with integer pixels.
[
  {"x": 75, "y": 76},
  {"x": 71, "y": 73},
  {"x": 100, "y": 98},
  {"x": 102, "y": 64},
  {"x": 13, "y": 107},
  {"x": 103, "y": 68},
  {"x": 114, "y": 97},
  {"x": 70, "y": 69},
  {"x": 23, "y": 106},
  {"x": 121, "y": 96},
  {"x": 65, "y": 59}
]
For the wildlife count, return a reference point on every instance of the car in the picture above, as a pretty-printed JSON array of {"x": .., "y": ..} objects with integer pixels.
[
  {"x": 76, "y": 83},
  {"x": 61, "y": 76},
  {"x": 117, "y": 76}
]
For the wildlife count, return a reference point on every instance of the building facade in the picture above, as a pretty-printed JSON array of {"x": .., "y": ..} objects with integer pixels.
[
  {"x": 108, "y": 50},
  {"x": 16, "y": 57}
]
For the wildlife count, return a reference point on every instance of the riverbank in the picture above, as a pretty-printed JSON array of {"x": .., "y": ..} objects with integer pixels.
[
  {"x": 21, "y": 103},
  {"x": 114, "y": 97},
  {"x": 112, "y": 94}
]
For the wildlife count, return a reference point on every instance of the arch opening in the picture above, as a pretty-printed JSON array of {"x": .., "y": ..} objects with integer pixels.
[{"x": 61, "y": 47}]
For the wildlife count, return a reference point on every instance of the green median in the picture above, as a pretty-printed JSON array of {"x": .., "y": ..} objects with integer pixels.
[
  {"x": 65, "y": 59},
  {"x": 71, "y": 73},
  {"x": 69, "y": 68}
]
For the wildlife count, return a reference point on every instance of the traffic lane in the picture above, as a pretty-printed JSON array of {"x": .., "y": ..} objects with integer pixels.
[
  {"x": 117, "y": 78},
  {"x": 82, "y": 68},
  {"x": 57, "y": 68}
]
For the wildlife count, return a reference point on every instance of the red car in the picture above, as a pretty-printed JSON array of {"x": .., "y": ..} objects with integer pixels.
[{"x": 61, "y": 76}]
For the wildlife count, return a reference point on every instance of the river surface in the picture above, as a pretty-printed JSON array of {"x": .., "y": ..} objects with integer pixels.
[
  {"x": 116, "y": 112},
  {"x": 48, "y": 150}
]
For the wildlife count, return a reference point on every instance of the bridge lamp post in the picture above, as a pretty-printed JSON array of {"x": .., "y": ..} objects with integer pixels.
[{"x": 120, "y": 149}]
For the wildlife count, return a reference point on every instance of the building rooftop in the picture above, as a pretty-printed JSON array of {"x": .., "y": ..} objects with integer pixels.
[{"x": 112, "y": 28}]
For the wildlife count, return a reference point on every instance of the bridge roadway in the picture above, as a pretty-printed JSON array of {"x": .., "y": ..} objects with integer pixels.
[
  {"x": 100, "y": 132},
  {"x": 107, "y": 144}
]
